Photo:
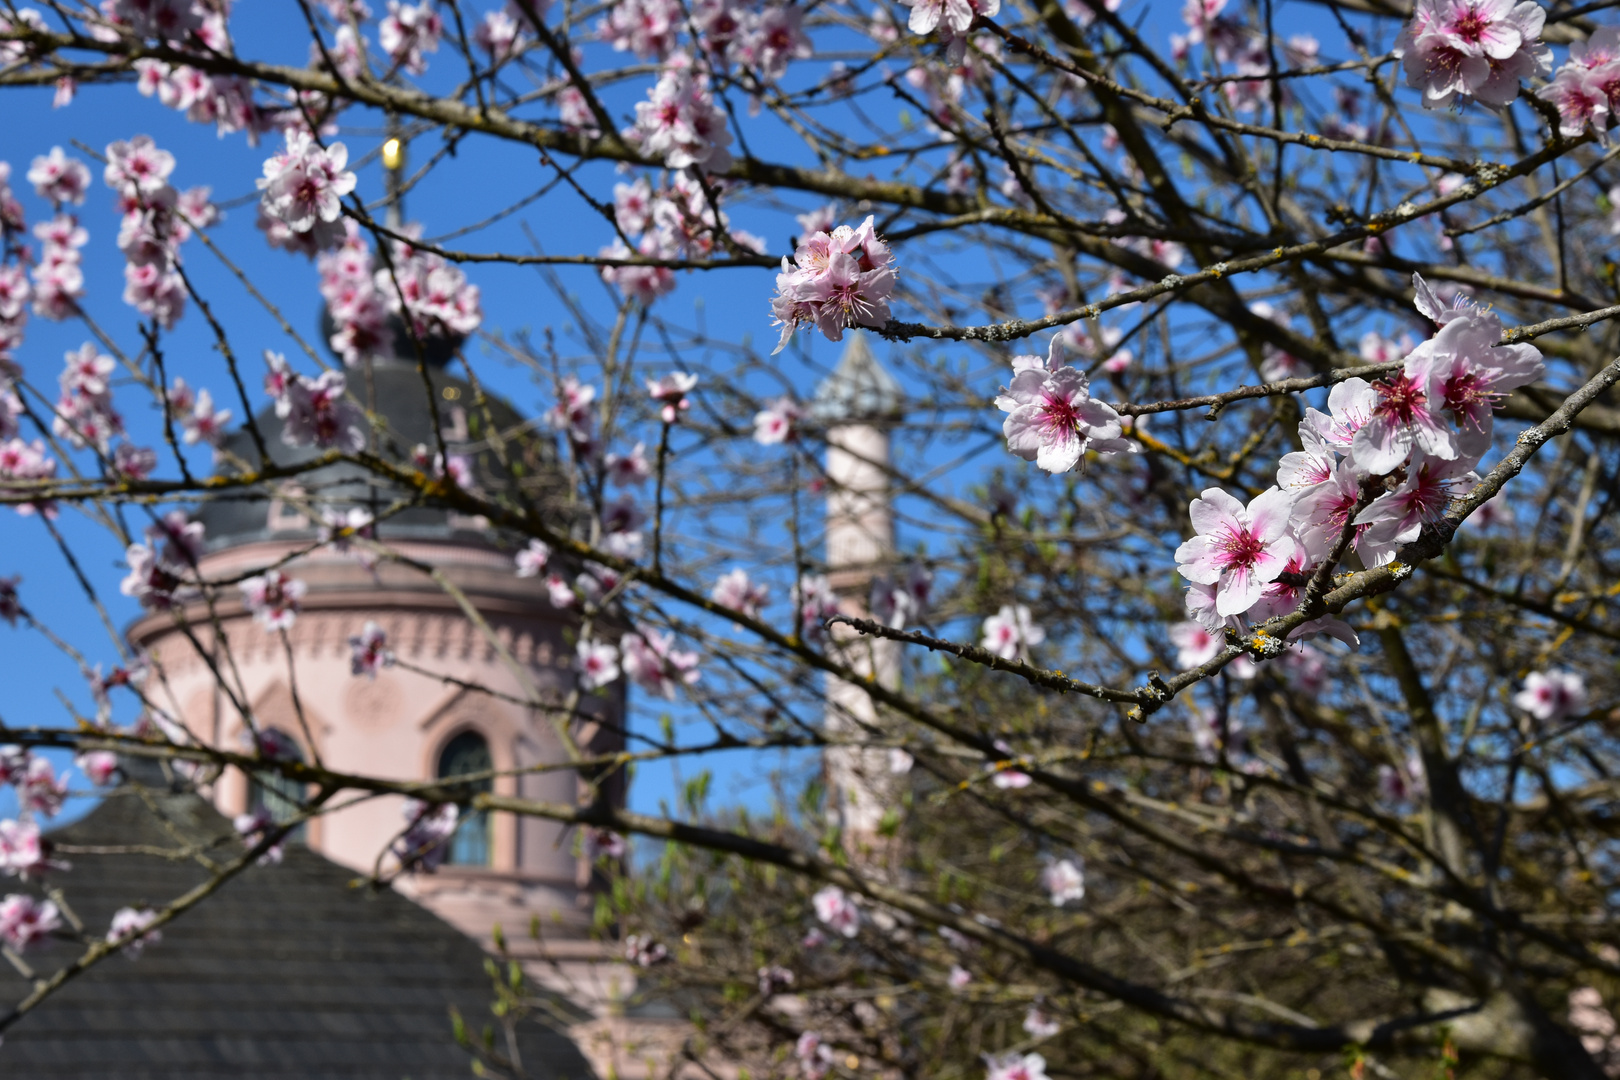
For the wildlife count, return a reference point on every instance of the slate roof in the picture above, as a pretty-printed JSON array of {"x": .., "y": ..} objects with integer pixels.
[{"x": 287, "y": 972}]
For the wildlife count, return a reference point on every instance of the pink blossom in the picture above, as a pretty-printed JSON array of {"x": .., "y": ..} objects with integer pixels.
[
  {"x": 643, "y": 282},
  {"x": 39, "y": 789},
  {"x": 369, "y": 652},
  {"x": 1052, "y": 419},
  {"x": 1195, "y": 643},
  {"x": 736, "y": 592},
  {"x": 628, "y": 469},
  {"x": 957, "y": 15},
  {"x": 1404, "y": 782},
  {"x": 1398, "y": 516},
  {"x": 1039, "y": 1025},
  {"x": 168, "y": 20},
  {"x": 59, "y": 178},
  {"x": 99, "y": 766},
  {"x": 602, "y": 844},
  {"x": 644, "y": 27},
  {"x": 652, "y": 662},
  {"x": 959, "y": 978},
  {"x": 409, "y": 30},
  {"x": 1011, "y": 632},
  {"x": 900, "y": 762},
  {"x": 137, "y": 169},
  {"x": 1238, "y": 549},
  {"x": 1064, "y": 880},
  {"x": 598, "y": 664},
  {"x": 815, "y": 602},
  {"x": 898, "y": 603},
  {"x": 560, "y": 592},
  {"x": 837, "y": 280},
  {"x": 152, "y": 290},
  {"x": 778, "y": 423},
  {"x": 129, "y": 930},
  {"x": 821, "y": 219},
  {"x": 499, "y": 35},
  {"x": 1552, "y": 695},
  {"x": 1463, "y": 371},
  {"x": 815, "y": 1057},
  {"x": 1015, "y": 1066},
  {"x": 837, "y": 910},
  {"x": 643, "y": 951},
  {"x": 435, "y": 296},
  {"x": 273, "y": 598},
  {"x": 150, "y": 581},
  {"x": 1455, "y": 49},
  {"x": 253, "y": 829},
  {"x": 318, "y": 413},
  {"x": 532, "y": 559},
  {"x": 669, "y": 392},
  {"x": 425, "y": 842},
  {"x": 1581, "y": 102},
  {"x": 303, "y": 188},
  {"x": 772, "y": 37},
  {"x": 25, "y": 920},
  {"x": 21, "y": 851},
  {"x": 773, "y": 979},
  {"x": 680, "y": 123}
]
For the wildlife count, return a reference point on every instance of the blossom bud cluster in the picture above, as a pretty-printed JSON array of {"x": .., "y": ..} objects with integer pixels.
[
  {"x": 157, "y": 220},
  {"x": 836, "y": 280},
  {"x": 1377, "y": 468},
  {"x": 677, "y": 221}
]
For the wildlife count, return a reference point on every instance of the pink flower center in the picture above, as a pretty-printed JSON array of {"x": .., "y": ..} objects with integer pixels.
[
  {"x": 1400, "y": 399},
  {"x": 1059, "y": 418},
  {"x": 1240, "y": 548},
  {"x": 1471, "y": 25}
]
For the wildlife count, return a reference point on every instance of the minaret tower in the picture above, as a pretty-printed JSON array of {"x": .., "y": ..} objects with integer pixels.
[{"x": 858, "y": 405}]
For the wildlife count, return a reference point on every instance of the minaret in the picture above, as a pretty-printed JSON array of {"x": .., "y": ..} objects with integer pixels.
[{"x": 857, "y": 405}]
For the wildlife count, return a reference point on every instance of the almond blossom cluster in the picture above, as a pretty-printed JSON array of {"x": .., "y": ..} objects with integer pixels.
[
  {"x": 194, "y": 411},
  {"x": 425, "y": 843},
  {"x": 84, "y": 411},
  {"x": 315, "y": 412},
  {"x": 130, "y": 930},
  {"x": 26, "y": 921},
  {"x": 650, "y": 660},
  {"x": 58, "y": 274},
  {"x": 302, "y": 191},
  {"x": 348, "y": 285},
  {"x": 432, "y": 295},
  {"x": 836, "y": 281},
  {"x": 163, "y": 570},
  {"x": 1551, "y": 696},
  {"x": 369, "y": 652},
  {"x": 1377, "y": 468},
  {"x": 408, "y": 31},
  {"x": 1011, "y": 632},
  {"x": 273, "y": 599},
  {"x": 680, "y": 122},
  {"x": 1586, "y": 90},
  {"x": 735, "y": 591},
  {"x": 226, "y": 101},
  {"x": 677, "y": 221},
  {"x": 1460, "y": 50},
  {"x": 157, "y": 220}
]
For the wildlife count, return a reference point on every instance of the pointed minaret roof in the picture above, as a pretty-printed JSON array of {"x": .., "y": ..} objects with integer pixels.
[{"x": 859, "y": 390}]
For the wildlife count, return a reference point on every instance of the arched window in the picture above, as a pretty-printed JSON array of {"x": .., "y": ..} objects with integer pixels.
[
  {"x": 283, "y": 797},
  {"x": 469, "y": 753}
]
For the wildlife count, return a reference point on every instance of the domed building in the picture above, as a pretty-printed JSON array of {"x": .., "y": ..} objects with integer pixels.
[{"x": 476, "y": 646}]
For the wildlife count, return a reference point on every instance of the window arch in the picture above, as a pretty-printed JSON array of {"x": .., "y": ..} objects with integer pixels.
[
  {"x": 279, "y": 796},
  {"x": 467, "y": 753}
]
